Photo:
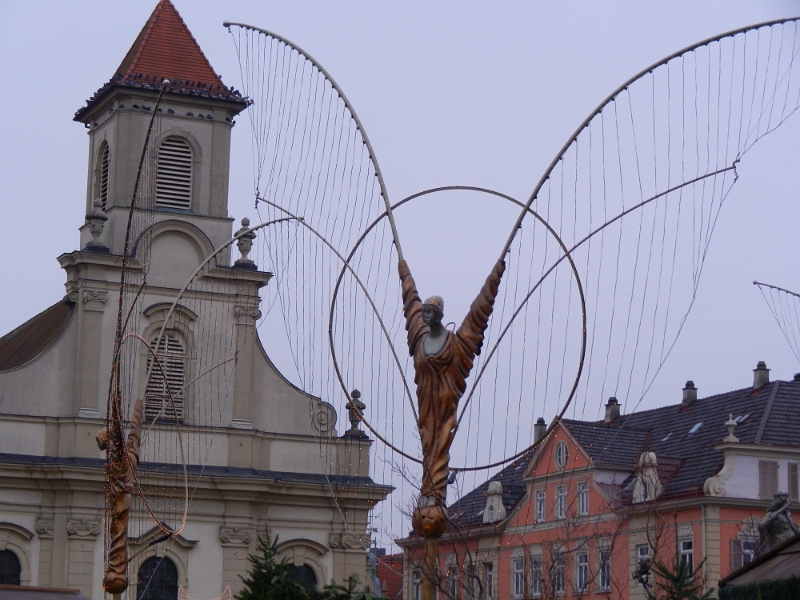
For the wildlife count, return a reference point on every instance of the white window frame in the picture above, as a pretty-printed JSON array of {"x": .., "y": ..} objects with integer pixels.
[
  {"x": 583, "y": 498},
  {"x": 561, "y": 455},
  {"x": 536, "y": 576},
  {"x": 687, "y": 553},
  {"x": 416, "y": 585},
  {"x": 471, "y": 582},
  {"x": 604, "y": 581},
  {"x": 541, "y": 505},
  {"x": 452, "y": 580},
  {"x": 561, "y": 502},
  {"x": 582, "y": 572},
  {"x": 559, "y": 571},
  {"x": 488, "y": 586},
  {"x": 518, "y": 577},
  {"x": 642, "y": 553}
]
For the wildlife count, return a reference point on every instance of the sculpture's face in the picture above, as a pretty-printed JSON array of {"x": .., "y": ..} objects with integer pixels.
[
  {"x": 429, "y": 521},
  {"x": 430, "y": 316}
]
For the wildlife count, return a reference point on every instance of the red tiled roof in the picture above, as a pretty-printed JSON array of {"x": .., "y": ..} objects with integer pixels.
[
  {"x": 166, "y": 49},
  {"x": 35, "y": 336},
  {"x": 390, "y": 574}
]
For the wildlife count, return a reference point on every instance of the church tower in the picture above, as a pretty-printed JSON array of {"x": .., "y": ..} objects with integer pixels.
[{"x": 193, "y": 141}]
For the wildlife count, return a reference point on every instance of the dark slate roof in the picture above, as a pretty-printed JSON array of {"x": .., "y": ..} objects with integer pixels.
[
  {"x": 166, "y": 49},
  {"x": 468, "y": 510},
  {"x": 769, "y": 415},
  {"x": 36, "y": 335},
  {"x": 200, "y": 470}
]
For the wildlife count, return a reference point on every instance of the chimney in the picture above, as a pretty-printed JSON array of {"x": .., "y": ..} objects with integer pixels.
[
  {"x": 539, "y": 429},
  {"x": 760, "y": 375},
  {"x": 612, "y": 410},
  {"x": 689, "y": 393}
]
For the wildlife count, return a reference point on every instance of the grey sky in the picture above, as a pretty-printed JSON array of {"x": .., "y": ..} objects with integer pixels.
[{"x": 449, "y": 93}]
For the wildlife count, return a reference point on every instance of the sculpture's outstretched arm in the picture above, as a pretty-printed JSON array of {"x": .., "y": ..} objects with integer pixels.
[
  {"x": 412, "y": 308},
  {"x": 477, "y": 319}
]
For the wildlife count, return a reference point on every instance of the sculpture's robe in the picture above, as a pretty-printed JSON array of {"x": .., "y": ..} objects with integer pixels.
[{"x": 441, "y": 378}]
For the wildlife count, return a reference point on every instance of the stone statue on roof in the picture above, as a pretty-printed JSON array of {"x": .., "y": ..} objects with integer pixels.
[{"x": 777, "y": 525}]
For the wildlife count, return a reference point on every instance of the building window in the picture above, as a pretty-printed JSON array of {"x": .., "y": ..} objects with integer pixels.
[
  {"x": 172, "y": 356},
  {"x": 158, "y": 580},
  {"x": 560, "y": 574},
  {"x": 642, "y": 561},
  {"x": 562, "y": 455},
  {"x": 767, "y": 479},
  {"x": 541, "y": 506},
  {"x": 582, "y": 573},
  {"x": 561, "y": 502},
  {"x": 687, "y": 555},
  {"x": 488, "y": 582},
  {"x": 101, "y": 184},
  {"x": 452, "y": 581},
  {"x": 518, "y": 578},
  {"x": 472, "y": 582},
  {"x": 304, "y": 575},
  {"x": 536, "y": 576},
  {"x": 605, "y": 570},
  {"x": 10, "y": 568},
  {"x": 583, "y": 498},
  {"x": 742, "y": 552},
  {"x": 174, "y": 175},
  {"x": 794, "y": 492},
  {"x": 416, "y": 585}
]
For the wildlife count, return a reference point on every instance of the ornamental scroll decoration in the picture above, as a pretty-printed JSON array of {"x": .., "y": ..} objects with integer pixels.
[
  {"x": 44, "y": 528},
  {"x": 236, "y": 535},
  {"x": 246, "y": 315},
  {"x": 324, "y": 418},
  {"x": 93, "y": 300},
  {"x": 83, "y": 527},
  {"x": 348, "y": 540}
]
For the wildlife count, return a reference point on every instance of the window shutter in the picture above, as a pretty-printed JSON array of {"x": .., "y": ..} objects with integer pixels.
[
  {"x": 767, "y": 479},
  {"x": 736, "y": 554},
  {"x": 174, "y": 175},
  {"x": 104, "y": 177},
  {"x": 794, "y": 493},
  {"x": 172, "y": 355}
]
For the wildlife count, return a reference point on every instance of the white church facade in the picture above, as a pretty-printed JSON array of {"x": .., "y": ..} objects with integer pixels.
[{"x": 279, "y": 467}]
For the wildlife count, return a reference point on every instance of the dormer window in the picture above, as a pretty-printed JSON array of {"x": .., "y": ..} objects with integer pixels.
[{"x": 174, "y": 175}]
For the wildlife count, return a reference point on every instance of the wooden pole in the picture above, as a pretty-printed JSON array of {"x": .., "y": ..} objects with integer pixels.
[{"x": 429, "y": 573}]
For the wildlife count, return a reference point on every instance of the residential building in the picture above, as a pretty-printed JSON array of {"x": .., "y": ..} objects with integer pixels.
[
  {"x": 589, "y": 508},
  {"x": 278, "y": 466}
]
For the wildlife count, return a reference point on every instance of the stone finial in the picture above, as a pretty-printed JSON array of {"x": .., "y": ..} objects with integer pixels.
[
  {"x": 244, "y": 241},
  {"x": 96, "y": 220},
  {"x": 731, "y": 425},
  {"x": 355, "y": 409}
]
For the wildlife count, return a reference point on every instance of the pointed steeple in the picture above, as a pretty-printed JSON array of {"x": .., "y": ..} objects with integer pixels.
[{"x": 166, "y": 49}]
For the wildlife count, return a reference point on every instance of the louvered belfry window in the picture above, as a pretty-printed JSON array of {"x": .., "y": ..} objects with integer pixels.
[
  {"x": 174, "y": 175},
  {"x": 104, "y": 177},
  {"x": 172, "y": 355}
]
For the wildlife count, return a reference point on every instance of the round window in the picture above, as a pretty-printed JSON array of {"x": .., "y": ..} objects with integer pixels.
[{"x": 562, "y": 455}]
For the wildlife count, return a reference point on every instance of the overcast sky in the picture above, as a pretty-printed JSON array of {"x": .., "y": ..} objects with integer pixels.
[{"x": 465, "y": 93}]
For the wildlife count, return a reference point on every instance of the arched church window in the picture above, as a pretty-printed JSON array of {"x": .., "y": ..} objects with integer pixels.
[
  {"x": 10, "y": 568},
  {"x": 170, "y": 378},
  {"x": 174, "y": 174},
  {"x": 101, "y": 183},
  {"x": 157, "y": 580},
  {"x": 305, "y": 575}
]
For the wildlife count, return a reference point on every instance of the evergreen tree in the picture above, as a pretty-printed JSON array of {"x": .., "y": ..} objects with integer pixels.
[{"x": 678, "y": 581}]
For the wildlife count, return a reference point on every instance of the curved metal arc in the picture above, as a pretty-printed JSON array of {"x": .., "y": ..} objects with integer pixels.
[
  {"x": 379, "y": 174},
  {"x": 618, "y": 91},
  {"x": 424, "y": 193},
  {"x": 775, "y": 287},
  {"x": 369, "y": 299},
  {"x": 554, "y": 265}
]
